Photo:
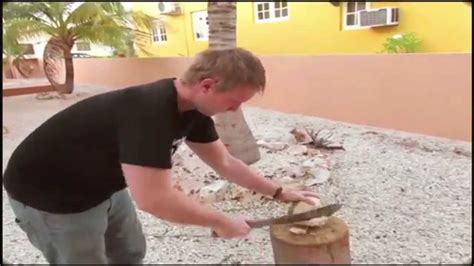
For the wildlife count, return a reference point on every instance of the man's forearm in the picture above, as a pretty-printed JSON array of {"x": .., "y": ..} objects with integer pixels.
[
  {"x": 240, "y": 173},
  {"x": 175, "y": 206}
]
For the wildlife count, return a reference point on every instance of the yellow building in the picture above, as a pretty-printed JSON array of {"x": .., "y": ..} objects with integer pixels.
[{"x": 305, "y": 28}]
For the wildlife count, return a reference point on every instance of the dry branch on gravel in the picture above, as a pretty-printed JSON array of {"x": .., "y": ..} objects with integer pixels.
[
  {"x": 315, "y": 139},
  {"x": 323, "y": 142}
]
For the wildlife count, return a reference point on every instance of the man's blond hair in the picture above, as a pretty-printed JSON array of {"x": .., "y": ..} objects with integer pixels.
[{"x": 231, "y": 68}]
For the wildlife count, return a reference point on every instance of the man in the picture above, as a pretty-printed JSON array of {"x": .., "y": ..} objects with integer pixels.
[{"x": 67, "y": 180}]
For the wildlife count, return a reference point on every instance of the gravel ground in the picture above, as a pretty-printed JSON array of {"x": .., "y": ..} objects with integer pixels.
[{"x": 407, "y": 197}]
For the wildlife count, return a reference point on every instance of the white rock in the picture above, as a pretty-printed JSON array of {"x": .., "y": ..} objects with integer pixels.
[
  {"x": 278, "y": 146},
  {"x": 241, "y": 194},
  {"x": 294, "y": 185},
  {"x": 317, "y": 176},
  {"x": 286, "y": 180},
  {"x": 294, "y": 171},
  {"x": 285, "y": 137},
  {"x": 214, "y": 192},
  {"x": 314, "y": 162},
  {"x": 45, "y": 96},
  {"x": 274, "y": 146},
  {"x": 313, "y": 152},
  {"x": 290, "y": 139},
  {"x": 330, "y": 163},
  {"x": 297, "y": 150}
]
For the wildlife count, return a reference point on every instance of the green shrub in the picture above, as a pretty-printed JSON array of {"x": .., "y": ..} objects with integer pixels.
[{"x": 402, "y": 43}]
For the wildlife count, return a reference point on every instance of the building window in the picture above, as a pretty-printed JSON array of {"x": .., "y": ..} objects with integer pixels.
[
  {"x": 83, "y": 46},
  {"x": 351, "y": 13},
  {"x": 159, "y": 33},
  {"x": 28, "y": 48},
  {"x": 200, "y": 25},
  {"x": 271, "y": 11}
]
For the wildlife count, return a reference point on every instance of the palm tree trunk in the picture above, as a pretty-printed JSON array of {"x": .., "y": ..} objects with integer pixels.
[
  {"x": 69, "y": 71},
  {"x": 51, "y": 56},
  {"x": 17, "y": 63},
  {"x": 55, "y": 51},
  {"x": 237, "y": 136},
  {"x": 11, "y": 66},
  {"x": 222, "y": 17},
  {"x": 232, "y": 128}
]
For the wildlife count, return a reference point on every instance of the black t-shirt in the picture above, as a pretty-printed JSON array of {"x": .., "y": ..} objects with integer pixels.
[{"x": 72, "y": 161}]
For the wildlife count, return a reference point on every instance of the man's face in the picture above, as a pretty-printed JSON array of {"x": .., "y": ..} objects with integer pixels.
[{"x": 210, "y": 102}]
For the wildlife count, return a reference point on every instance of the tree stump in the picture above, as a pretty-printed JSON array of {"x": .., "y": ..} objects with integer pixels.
[{"x": 319, "y": 245}]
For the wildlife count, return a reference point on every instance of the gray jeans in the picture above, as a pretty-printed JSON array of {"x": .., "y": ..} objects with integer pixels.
[{"x": 107, "y": 233}]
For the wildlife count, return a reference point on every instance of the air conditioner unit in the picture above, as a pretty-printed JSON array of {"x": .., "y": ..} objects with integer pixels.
[
  {"x": 387, "y": 16},
  {"x": 169, "y": 8}
]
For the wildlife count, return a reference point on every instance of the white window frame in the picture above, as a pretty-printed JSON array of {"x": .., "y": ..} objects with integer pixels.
[
  {"x": 159, "y": 30},
  {"x": 271, "y": 9},
  {"x": 32, "y": 48},
  {"x": 345, "y": 13},
  {"x": 194, "y": 18}
]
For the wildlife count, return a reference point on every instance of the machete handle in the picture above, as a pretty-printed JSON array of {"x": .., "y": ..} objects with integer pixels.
[
  {"x": 259, "y": 223},
  {"x": 251, "y": 223}
]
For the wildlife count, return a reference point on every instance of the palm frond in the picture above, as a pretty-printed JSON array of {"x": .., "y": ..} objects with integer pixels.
[
  {"x": 24, "y": 28},
  {"x": 68, "y": 7},
  {"x": 58, "y": 11},
  {"x": 110, "y": 35},
  {"x": 84, "y": 13},
  {"x": 10, "y": 44},
  {"x": 142, "y": 20},
  {"x": 115, "y": 8},
  {"x": 43, "y": 10},
  {"x": 27, "y": 11},
  {"x": 21, "y": 10}
]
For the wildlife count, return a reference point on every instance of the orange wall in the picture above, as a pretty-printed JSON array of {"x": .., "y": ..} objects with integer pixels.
[
  {"x": 421, "y": 93},
  {"x": 122, "y": 72}
]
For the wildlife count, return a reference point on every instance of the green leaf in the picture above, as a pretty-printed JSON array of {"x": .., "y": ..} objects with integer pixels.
[
  {"x": 407, "y": 43},
  {"x": 84, "y": 13}
]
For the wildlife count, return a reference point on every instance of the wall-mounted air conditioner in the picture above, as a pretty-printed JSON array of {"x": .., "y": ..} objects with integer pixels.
[
  {"x": 169, "y": 8},
  {"x": 387, "y": 16}
]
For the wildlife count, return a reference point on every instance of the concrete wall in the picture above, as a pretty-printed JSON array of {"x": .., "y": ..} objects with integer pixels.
[
  {"x": 26, "y": 90},
  {"x": 421, "y": 93}
]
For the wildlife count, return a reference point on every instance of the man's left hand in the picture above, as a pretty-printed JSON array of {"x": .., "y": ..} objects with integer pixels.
[{"x": 289, "y": 195}]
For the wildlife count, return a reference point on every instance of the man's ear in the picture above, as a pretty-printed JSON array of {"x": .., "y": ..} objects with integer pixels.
[{"x": 206, "y": 84}]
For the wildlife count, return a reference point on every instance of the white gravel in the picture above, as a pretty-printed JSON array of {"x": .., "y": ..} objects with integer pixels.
[{"x": 407, "y": 197}]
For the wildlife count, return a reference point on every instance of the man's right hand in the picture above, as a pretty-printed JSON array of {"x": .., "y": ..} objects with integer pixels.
[
  {"x": 153, "y": 191},
  {"x": 232, "y": 227}
]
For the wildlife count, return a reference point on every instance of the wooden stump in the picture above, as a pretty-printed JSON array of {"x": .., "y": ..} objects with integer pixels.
[{"x": 320, "y": 245}]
